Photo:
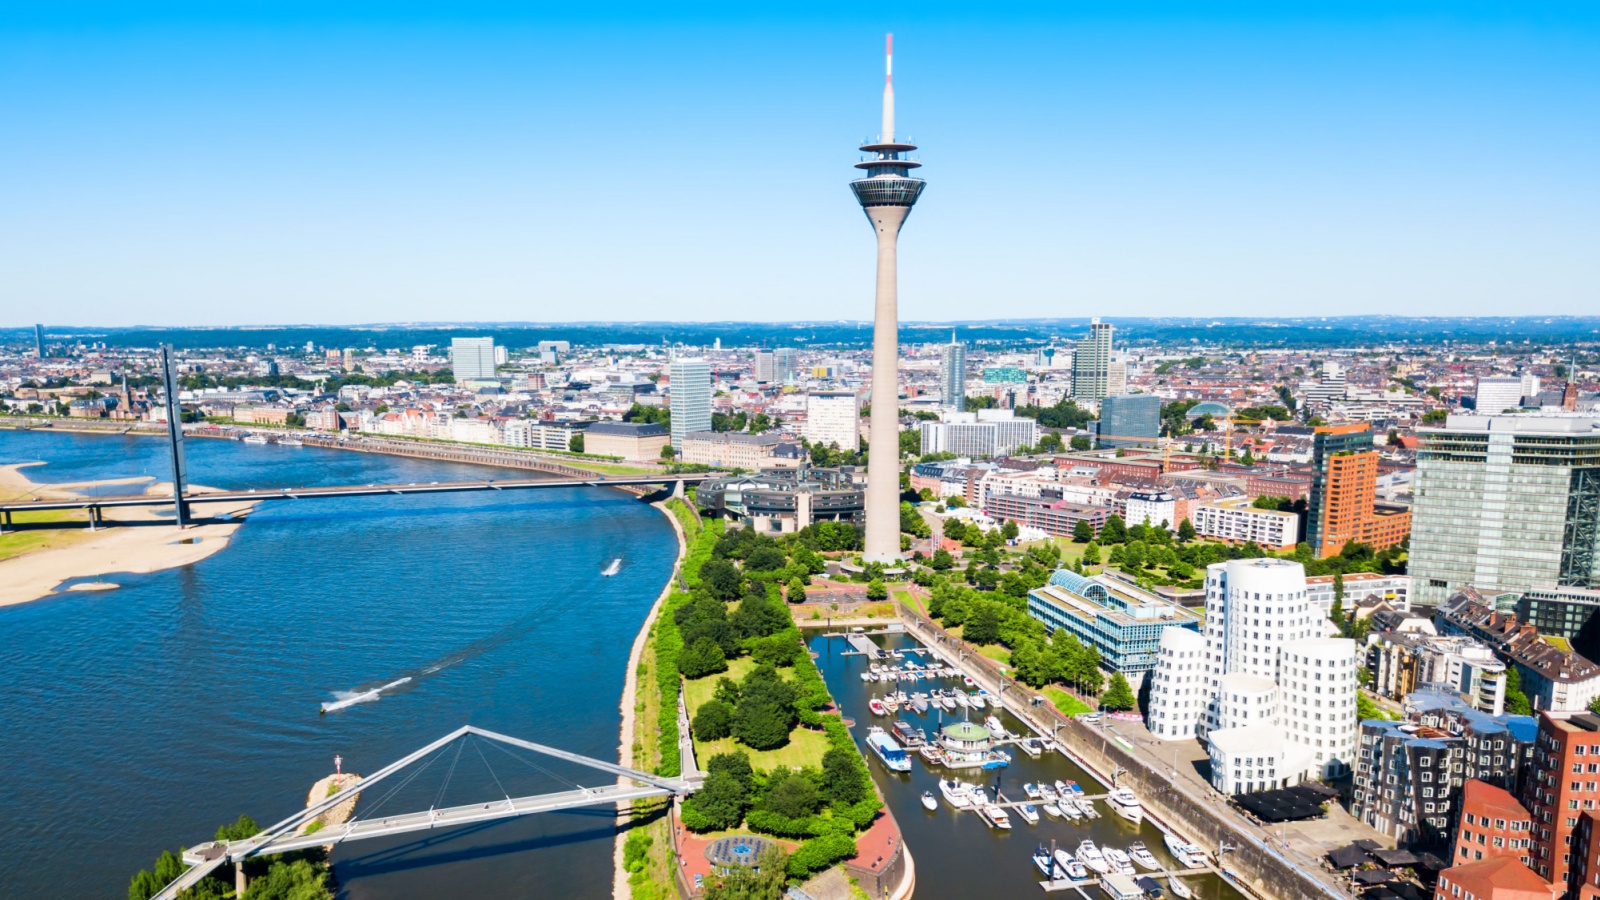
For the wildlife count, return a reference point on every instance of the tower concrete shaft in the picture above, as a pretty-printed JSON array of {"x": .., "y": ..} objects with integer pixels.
[{"x": 886, "y": 195}]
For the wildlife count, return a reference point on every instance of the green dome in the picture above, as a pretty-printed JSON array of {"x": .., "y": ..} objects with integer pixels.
[{"x": 970, "y": 732}]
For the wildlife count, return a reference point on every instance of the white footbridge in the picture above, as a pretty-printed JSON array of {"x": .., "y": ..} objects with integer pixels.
[{"x": 288, "y": 835}]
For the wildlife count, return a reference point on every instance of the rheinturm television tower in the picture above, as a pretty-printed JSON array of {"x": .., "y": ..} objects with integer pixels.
[{"x": 886, "y": 194}]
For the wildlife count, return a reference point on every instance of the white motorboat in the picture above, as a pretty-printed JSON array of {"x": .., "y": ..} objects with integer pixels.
[
  {"x": 1075, "y": 870},
  {"x": 1029, "y": 813},
  {"x": 993, "y": 724},
  {"x": 1085, "y": 806},
  {"x": 1069, "y": 809},
  {"x": 962, "y": 700},
  {"x": 868, "y": 676},
  {"x": 877, "y": 707},
  {"x": 1142, "y": 856},
  {"x": 1052, "y": 810},
  {"x": 1118, "y": 860},
  {"x": 1090, "y": 855},
  {"x": 955, "y": 793},
  {"x": 995, "y": 816},
  {"x": 929, "y": 802},
  {"x": 1031, "y": 746},
  {"x": 1042, "y": 860},
  {"x": 613, "y": 568},
  {"x": 1032, "y": 790},
  {"x": 1179, "y": 889},
  {"x": 1046, "y": 792},
  {"x": 1126, "y": 804},
  {"x": 1190, "y": 855}
]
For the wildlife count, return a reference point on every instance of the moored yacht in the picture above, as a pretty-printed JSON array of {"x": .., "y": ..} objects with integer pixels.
[
  {"x": 1090, "y": 855},
  {"x": 955, "y": 793},
  {"x": 1126, "y": 804}
]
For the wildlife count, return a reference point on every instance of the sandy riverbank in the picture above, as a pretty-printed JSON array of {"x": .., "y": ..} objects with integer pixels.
[
  {"x": 620, "y": 889},
  {"x": 135, "y": 541}
]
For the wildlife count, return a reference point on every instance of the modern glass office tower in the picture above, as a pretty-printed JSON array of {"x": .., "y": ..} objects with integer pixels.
[
  {"x": 953, "y": 374},
  {"x": 472, "y": 359},
  {"x": 886, "y": 195},
  {"x": 1129, "y": 420},
  {"x": 690, "y": 401},
  {"x": 1506, "y": 503},
  {"x": 1091, "y": 364}
]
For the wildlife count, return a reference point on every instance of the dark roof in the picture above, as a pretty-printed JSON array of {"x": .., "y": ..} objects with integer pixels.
[
  {"x": 1373, "y": 876},
  {"x": 629, "y": 429},
  {"x": 1285, "y": 804},
  {"x": 1347, "y": 857},
  {"x": 1394, "y": 857}
]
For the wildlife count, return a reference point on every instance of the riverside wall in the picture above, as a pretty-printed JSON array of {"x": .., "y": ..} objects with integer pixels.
[{"x": 1255, "y": 866}]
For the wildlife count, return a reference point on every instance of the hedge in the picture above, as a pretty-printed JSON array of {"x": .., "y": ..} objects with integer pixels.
[
  {"x": 669, "y": 644},
  {"x": 819, "y": 853}
]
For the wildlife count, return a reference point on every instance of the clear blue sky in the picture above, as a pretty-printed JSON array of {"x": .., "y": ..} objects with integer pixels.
[{"x": 279, "y": 162}]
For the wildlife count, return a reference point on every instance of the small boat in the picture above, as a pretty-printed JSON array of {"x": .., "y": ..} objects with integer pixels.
[
  {"x": 613, "y": 568},
  {"x": 868, "y": 676},
  {"x": 1029, "y": 813},
  {"x": 877, "y": 707},
  {"x": 933, "y": 753},
  {"x": 955, "y": 794},
  {"x": 1126, "y": 804},
  {"x": 290, "y": 442},
  {"x": 1085, "y": 806},
  {"x": 1179, "y": 889},
  {"x": 961, "y": 699},
  {"x": 980, "y": 797},
  {"x": 1063, "y": 789},
  {"x": 897, "y": 654},
  {"x": 256, "y": 439},
  {"x": 1150, "y": 886},
  {"x": 1120, "y": 887},
  {"x": 1119, "y": 861},
  {"x": 919, "y": 703},
  {"x": 1070, "y": 809},
  {"x": 1052, "y": 810},
  {"x": 1142, "y": 857},
  {"x": 1075, "y": 870},
  {"x": 994, "y": 726},
  {"x": 1090, "y": 855},
  {"x": 876, "y": 668},
  {"x": 1046, "y": 792},
  {"x": 1190, "y": 855},
  {"x": 995, "y": 816},
  {"x": 909, "y": 735},
  {"x": 1031, "y": 747},
  {"x": 892, "y": 754},
  {"x": 1074, "y": 787},
  {"x": 1032, "y": 790},
  {"x": 980, "y": 699},
  {"x": 1045, "y": 864},
  {"x": 929, "y": 802},
  {"x": 967, "y": 680}
]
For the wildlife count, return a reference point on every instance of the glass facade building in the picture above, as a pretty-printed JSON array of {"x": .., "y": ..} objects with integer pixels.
[
  {"x": 1091, "y": 364},
  {"x": 1125, "y": 625},
  {"x": 953, "y": 375},
  {"x": 1505, "y": 504},
  {"x": 472, "y": 359},
  {"x": 1129, "y": 420}
]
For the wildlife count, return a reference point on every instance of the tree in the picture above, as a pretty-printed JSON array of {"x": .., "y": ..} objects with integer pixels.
[
  {"x": 876, "y": 590},
  {"x": 765, "y": 714},
  {"x": 704, "y": 657},
  {"x": 1186, "y": 532},
  {"x": 575, "y": 443},
  {"x": 762, "y": 881},
  {"x": 1010, "y": 530},
  {"x": 725, "y": 795},
  {"x": 942, "y": 560},
  {"x": 1080, "y": 442},
  {"x": 297, "y": 880},
  {"x": 714, "y": 721},
  {"x": 1115, "y": 531},
  {"x": 984, "y": 628},
  {"x": 791, "y": 793},
  {"x": 1091, "y": 551},
  {"x": 721, "y": 578},
  {"x": 843, "y": 778},
  {"x": 797, "y": 590},
  {"x": 1119, "y": 694},
  {"x": 910, "y": 442},
  {"x": 1083, "y": 532},
  {"x": 912, "y": 522},
  {"x": 1516, "y": 701},
  {"x": 667, "y": 452}
]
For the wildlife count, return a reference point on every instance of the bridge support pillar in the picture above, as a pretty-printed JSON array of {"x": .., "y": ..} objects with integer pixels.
[
  {"x": 677, "y": 489},
  {"x": 239, "y": 882}
]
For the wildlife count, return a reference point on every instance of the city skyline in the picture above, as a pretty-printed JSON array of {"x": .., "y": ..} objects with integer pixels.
[{"x": 178, "y": 166}]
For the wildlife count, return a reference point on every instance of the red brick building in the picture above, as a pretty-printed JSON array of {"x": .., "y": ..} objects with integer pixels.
[
  {"x": 1493, "y": 879},
  {"x": 1564, "y": 783},
  {"x": 1493, "y": 825}
]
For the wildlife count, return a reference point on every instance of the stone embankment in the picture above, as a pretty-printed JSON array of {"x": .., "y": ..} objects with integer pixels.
[{"x": 341, "y": 812}]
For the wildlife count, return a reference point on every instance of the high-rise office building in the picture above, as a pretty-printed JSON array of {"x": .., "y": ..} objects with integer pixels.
[
  {"x": 1129, "y": 420},
  {"x": 1344, "y": 483},
  {"x": 38, "y": 341},
  {"x": 886, "y": 195},
  {"x": 1496, "y": 395},
  {"x": 953, "y": 374},
  {"x": 833, "y": 417},
  {"x": 1506, "y": 503},
  {"x": 472, "y": 359},
  {"x": 775, "y": 366},
  {"x": 1091, "y": 363},
  {"x": 691, "y": 398}
]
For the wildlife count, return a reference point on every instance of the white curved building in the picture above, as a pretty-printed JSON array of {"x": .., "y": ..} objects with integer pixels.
[{"x": 1261, "y": 683}]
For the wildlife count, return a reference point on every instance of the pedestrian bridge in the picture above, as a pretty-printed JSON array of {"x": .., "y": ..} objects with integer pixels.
[{"x": 287, "y": 835}]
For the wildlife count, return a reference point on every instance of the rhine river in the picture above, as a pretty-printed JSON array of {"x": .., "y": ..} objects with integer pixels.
[{"x": 140, "y": 719}]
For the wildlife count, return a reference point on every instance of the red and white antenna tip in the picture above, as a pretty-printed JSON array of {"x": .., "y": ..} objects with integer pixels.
[{"x": 888, "y": 57}]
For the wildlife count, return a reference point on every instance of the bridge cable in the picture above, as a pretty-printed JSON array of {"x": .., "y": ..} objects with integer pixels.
[
  {"x": 451, "y": 773},
  {"x": 533, "y": 765},
  {"x": 492, "y": 772},
  {"x": 403, "y": 782}
]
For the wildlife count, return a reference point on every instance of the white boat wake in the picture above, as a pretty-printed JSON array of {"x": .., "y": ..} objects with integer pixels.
[
  {"x": 614, "y": 568},
  {"x": 351, "y": 698}
]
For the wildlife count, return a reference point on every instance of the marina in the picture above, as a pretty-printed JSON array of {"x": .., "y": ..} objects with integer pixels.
[{"x": 975, "y": 839}]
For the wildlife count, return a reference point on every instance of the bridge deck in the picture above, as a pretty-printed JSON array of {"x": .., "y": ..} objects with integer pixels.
[{"x": 367, "y": 490}]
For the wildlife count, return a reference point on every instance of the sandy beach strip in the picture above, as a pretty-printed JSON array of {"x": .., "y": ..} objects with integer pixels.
[{"x": 136, "y": 541}]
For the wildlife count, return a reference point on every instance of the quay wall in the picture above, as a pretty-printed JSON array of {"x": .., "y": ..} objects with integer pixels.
[{"x": 1256, "y": 866}]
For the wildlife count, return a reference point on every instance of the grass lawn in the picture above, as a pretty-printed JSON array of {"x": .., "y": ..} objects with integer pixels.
[
  {"x": 911, "y": 600},
  {"x": 995, "y": 652},
  {"x": 16, "y": 543},
  {"x": 1065, "y": 702},
  {"x": 805, "y": 747}
]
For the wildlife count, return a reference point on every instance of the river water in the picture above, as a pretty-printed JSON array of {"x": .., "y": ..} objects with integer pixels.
[
  {"x": 140, "y": 719},
  {"x": 957, "y": 856}
]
